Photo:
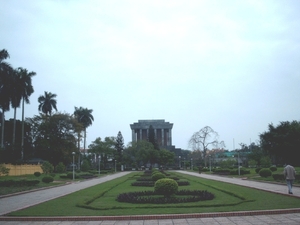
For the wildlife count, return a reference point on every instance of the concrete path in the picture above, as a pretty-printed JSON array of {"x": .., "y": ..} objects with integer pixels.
[{"x": 17, "y": 202}]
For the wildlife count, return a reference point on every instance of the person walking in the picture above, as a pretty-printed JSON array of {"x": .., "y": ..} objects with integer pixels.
[{"x": 289, "y": 174}]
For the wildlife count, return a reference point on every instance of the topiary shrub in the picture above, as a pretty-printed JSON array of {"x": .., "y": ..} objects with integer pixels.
[
  {"x": 265, "y": 172},
  {"x": 273, "y": 168},
  {"x": 166, "y": 187},
  {"x": 37, "y": 174},
  {"x": 60, "y": 168},
  {"x": 47, "y": 179},
  {"x": 257, "y": 170},
  {"x": 157, "y": 176},
  {"x": 4, "y": 170}
]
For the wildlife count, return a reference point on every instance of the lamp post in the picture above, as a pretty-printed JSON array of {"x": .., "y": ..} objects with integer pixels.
[
  {"x": 99, "y": 157},
  {"x": 179, "y": 161},
  {"x": 73, "y": 153},
  {"x": 115, "y": 165}
]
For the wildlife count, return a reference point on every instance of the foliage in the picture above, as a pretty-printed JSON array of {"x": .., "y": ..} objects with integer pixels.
[
  {"x": 265, "y": 162},
  {"x": 119, "y": 146},
  {"x": 47, "y": 167},
  {"x": 47, "y": 103},
  {"x": 4, "y": 170},
  {"x": 166, "y": 157},
  {"x": 60, "y": 168},
  {"x": 203, "y": 138},
  {"x": 85, "y": 165},
  {"x": 37, "y": 174},
  {"x": 258, "y": 169},
  {"x": 227, "y": 163},
  {"x": 282, "y": 142},
  {"x": 18, "y": 183},
  {"x": 54, "y": 137},
  {"x": 47, "y": 179},
  {"x": 157, "y": 176},
  {"x": 166, "y": 187},
  {"x": 273, "y": 168},
  {"x": 252, "y": 163},
  {"x": 265, "y": 172}
]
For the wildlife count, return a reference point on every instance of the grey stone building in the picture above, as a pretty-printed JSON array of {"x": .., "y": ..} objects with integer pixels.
[{"x": 162, "y": 131}]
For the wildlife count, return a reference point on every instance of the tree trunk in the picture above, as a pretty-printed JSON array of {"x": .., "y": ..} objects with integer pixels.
[
  {"x": 2, "y": 133},
  {"x": 22, "y": 136}
]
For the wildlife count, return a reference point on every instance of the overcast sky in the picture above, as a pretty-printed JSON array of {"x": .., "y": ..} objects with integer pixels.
[{"x": 231, "y": 65}]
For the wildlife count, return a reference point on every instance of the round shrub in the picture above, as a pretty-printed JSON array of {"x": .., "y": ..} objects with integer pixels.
[
  {"x": 265, "y": 172},
  {"x": 47, "y": 167},
  {"x": 257, "y": 170},
  {"x": 157, "y": 176},
  {"x": 70, "y": 175},
  {"x": 47, "y": 179},
  {"x": 273, "y": 168},
  {"x": 166, "y": 187},
  {"x": 37, "y": 174}
]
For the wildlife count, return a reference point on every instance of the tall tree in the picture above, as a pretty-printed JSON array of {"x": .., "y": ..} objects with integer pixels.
[
  {"x": 26, "y": 90},
  {"x": 6, "y": 73},
  {"x": 119, "y": 146},
  {"x": 282, "y": 142},
  {"x": 47, "y": 103},
  {"x": 85, "y": 117},
  {"x": 203, "y": 138}
]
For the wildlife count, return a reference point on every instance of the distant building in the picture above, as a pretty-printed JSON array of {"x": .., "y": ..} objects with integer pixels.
[{"x": 162, "y": 131}]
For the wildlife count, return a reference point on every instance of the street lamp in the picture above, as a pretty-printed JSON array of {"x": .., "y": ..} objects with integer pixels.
[
  {"x": 179, "y": 162},
  {"x": 99, "y": 157},
  {"x": 73, "y": 153}
]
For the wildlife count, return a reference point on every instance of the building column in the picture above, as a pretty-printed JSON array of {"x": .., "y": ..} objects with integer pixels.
[
  {"x": 141, "y": 133},
  {"x": 170, "y": 136},
  {"x": 163, "y": 137},
  {"x": 133, "y": 135}
]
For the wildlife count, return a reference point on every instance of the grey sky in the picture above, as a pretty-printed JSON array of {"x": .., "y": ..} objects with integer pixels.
[{"x": 231, "y": 65}]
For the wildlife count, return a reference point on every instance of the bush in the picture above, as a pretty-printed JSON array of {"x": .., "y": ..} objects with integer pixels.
[
  {"x": 157, "y": 176},
  {"x": 18, "y": 183},
  {"x": 47, "y": 167},
  {"x": 37, "y": 174},
  {"x": 60, "y": 168},
  {"x": 265, "y": 162},
  {"x": 257, "y": 170},
  {"x": 265, "y": 172},
  {"x": 278, "y": 177},
  {"x": 47, "y": 179},
  {"x": 4, "y": 170},
  {"x": 166, "y": 187},
  {"x": 273, "y": 168},
  {"x": 85, "y": 165}
]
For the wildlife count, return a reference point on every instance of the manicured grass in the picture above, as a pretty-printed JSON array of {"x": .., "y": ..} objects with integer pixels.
[{"x": 100, "y": 200}]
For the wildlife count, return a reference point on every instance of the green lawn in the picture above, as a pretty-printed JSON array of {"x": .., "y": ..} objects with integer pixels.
[{"x": 100, "y": 200}]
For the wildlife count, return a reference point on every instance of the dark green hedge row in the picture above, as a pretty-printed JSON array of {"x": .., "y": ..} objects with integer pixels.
[
  {"x": 146, "y": 197},
  {"x": 18, "y": 183},
  {"x": 151, "y": 183}
]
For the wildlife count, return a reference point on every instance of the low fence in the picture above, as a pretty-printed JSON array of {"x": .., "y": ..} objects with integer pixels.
[{"x": 17, "y": 170}]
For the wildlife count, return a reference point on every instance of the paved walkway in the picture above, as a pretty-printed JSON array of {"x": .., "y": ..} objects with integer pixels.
[{"x": 17, "y": 202}]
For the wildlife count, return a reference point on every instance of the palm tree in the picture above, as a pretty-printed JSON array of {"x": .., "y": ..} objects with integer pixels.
[
  {"x": 85, "y": 117},
  {"x": 6, "y": 72},
  {"x": 26, "y": 89},
  {"x": 47, "y": 103}
]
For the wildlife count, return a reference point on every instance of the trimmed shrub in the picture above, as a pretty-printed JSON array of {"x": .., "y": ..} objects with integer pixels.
[
  {"x": 47, "y": 179},
  {"x": 166, "y": 187},
  {"x": 157, "y": 176},
  {"x": 85, "y": 165},
  {"x": 257, "y": 170},
  {"x": 47, "y": 167},
  {"x": 37, "y": 174},
  {"x": 265, "y": 172},
  {"x": 4, "y": 170},
  {"x": 278, "y": 177},
  {"x": 18, "y": 183},
  {"x": 60, "y": 168},
  {"x": 273, "y": 168}
]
